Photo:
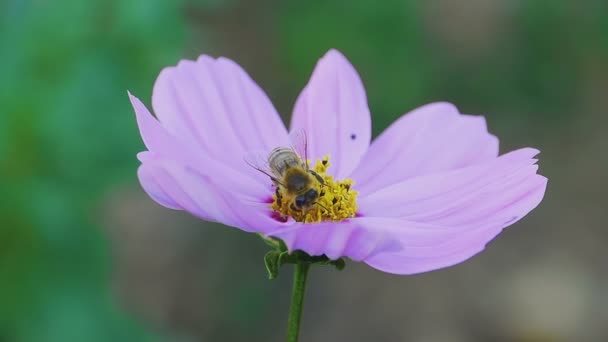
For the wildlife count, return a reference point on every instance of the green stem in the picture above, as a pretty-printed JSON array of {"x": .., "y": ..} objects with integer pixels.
[{"x": 297, "y": 299}]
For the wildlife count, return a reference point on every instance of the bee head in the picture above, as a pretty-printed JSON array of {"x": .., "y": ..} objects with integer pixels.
[{"x": 306, "y": 199}]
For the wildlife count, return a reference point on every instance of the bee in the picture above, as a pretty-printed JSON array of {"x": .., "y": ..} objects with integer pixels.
[
  {"x": 294, "y": 180},
  {"x": 295, "y": 183}
]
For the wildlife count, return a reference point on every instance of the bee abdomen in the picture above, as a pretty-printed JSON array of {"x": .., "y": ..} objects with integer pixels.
[{"x": 282, "y": 158}]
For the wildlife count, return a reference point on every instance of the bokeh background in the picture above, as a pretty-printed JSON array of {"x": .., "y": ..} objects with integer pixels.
[{"x": 85, "y": 255}]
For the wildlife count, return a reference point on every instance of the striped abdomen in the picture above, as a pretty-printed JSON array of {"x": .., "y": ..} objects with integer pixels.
[{"x": 282, "y": 158}]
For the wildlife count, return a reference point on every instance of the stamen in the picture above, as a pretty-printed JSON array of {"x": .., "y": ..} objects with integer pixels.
[{"x": 337, "y": 200}]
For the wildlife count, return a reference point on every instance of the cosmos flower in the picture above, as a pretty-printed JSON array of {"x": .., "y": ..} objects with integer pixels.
[{"x": 430, "y": 192}]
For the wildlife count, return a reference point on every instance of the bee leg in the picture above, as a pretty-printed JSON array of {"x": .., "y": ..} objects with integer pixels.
[
  {"x": 319, "y": 178},
  {"x": 279, "y": 197}
]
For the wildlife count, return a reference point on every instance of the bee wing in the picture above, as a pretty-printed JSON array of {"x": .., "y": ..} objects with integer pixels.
[
  {"x": 299, "y": 144},
  {"x": 259, "y": 161}
]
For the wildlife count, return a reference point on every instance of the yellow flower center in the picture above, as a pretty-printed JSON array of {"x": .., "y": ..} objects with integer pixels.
[{"x": 337, "y": 200}]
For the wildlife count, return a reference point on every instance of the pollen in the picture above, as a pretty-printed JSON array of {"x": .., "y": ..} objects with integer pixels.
[{"x": 337, "y": 199}]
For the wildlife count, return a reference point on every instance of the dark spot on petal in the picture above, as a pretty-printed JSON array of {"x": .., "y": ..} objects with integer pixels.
[
  {"x": 353, "y": 136},
  {"x": 334, "y": 201},
  {"x": 324, "y": 161}
]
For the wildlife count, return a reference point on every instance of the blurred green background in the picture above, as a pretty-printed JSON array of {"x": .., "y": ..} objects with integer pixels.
[{"x": 85, "y": 255}]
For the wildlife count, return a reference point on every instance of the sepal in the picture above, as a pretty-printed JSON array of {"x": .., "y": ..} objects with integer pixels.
[{"x": 274, "y": 259}]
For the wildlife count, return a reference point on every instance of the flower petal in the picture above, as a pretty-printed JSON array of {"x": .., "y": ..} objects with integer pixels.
[
  {"x": 214, "y": 104},
  {"x": 182, "y": 187},
  {"x": 470, "y": 206},
  {"x": 470, "y": 239},
  {"x": 429, "y": 139},
  {"x": 413, "y": 258},
  {"x": 428, "y": 198},
  {"x": 332, "y": 110},
  {"x": 156, "y": 138},
  {"x": 163, "y": 145},
  {"x": 356, "y": 238},
  {"x": 147, "y": 179}
]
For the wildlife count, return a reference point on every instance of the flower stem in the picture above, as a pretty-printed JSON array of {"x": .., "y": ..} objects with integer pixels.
[{"x": 300, "y": 274}]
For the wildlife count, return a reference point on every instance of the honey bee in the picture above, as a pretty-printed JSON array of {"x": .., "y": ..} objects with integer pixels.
[{"x": 295, "y": 183}]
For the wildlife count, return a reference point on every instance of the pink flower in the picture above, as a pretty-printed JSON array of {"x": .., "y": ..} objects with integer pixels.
[{"x": 432, "y": 190}]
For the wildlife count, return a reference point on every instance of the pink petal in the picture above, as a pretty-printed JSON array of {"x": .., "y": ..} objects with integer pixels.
[
  {"x": 461, "y": 243},
  {"x": 156, "y": 138},
  {"x": 332, "y": 110},
  {"x": 163, "y": 145},
  {"x": 430, "y": 139},
  {"x": 425, "y": 198},
  {"x": 214, "y": 106},
  {"x": 183, "y": 187},
  {"x": 147, "y": 178},
  {"x": 414, "y": 258},
  {"x": 469, "y": 207},
  {"x": 356, "y": 238}
]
